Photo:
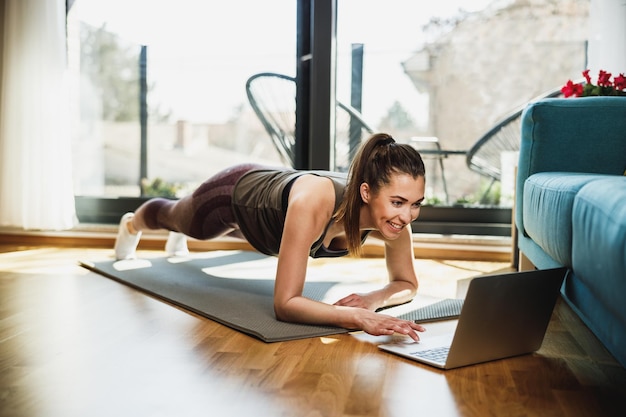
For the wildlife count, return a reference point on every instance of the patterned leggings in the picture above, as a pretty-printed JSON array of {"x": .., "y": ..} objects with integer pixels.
[{"x": 205, "y": 214}]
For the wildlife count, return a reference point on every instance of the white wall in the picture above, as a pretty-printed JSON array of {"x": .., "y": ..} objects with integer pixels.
[{"x": 607, "y": 36}]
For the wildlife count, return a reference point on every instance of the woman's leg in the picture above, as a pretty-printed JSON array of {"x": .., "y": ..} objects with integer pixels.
[{"x": 205, "y": 214}]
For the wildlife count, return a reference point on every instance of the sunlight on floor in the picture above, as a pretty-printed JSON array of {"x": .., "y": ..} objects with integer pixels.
[{"x": 438, "y": 278}]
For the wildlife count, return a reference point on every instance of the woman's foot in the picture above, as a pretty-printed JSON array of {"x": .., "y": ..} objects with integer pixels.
[
  {"x": 176, "y": 244},
  {"x": 126, "y": 241}
]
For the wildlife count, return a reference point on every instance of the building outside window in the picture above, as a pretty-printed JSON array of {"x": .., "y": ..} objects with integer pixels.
[{"x": 448, "y": 76}]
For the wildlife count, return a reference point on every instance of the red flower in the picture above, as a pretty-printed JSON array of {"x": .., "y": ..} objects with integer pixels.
[
  {"x": 619, "y": 82},
  {"x": 571, "y": 89},
  {"x": 604, "y": 79},
  {"x": 604, "y": 87}
]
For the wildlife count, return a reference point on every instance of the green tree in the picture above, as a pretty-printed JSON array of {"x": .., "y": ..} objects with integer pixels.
[
  {"x": 112, "y": 68},
  {"x": 111, "y": 65},
  {"x": 397, "y": 118}
]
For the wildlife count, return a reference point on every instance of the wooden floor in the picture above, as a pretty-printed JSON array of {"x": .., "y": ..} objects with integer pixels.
[{"x": 73, "y": 343}]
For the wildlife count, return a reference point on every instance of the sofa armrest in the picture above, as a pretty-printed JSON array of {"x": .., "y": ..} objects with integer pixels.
[{"x": 586, "y": 135}]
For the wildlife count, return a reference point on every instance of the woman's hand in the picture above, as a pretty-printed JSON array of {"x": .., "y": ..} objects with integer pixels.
[
  {"x": 378, "y": 324},
  {"x": 381, "y": 324}
]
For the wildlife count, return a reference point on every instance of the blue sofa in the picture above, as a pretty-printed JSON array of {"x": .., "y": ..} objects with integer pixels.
[{"x": 570, "y": 206}]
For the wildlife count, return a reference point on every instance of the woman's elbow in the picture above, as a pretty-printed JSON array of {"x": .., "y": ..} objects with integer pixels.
[
  {"x": 409, "y": 291},
  {"x": 281, "y": 312}
]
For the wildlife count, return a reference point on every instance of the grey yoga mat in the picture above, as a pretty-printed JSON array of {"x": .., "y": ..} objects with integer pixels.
[{"x": 243, "y": 304}]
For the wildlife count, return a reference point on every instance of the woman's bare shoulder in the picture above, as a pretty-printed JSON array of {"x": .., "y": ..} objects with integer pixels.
[
  {"x": 313, "y": 191},
  {"x": 310, "y": 208}
]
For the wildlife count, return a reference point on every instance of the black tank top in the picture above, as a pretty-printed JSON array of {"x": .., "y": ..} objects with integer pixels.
[{"x": 260, "y": 205}]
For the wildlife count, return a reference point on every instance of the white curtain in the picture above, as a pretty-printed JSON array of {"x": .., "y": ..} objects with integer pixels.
[{"x": 35, "y": 145}]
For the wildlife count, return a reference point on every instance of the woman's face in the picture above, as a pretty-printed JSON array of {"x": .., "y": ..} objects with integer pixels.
[{"x": 395, "y": 205}]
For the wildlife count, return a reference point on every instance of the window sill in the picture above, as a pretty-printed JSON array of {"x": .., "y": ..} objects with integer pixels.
[{"x": 426, "y": 246}]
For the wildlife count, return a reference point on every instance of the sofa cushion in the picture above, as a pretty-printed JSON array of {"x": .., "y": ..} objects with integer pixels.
[
  {"x": 547, "y": 209},
  {"x": 583, "y": 135},
  {"x": 599, "y": 248}
]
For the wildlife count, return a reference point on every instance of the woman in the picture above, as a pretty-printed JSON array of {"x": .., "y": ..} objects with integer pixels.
[{"x": 297, "y": 214}]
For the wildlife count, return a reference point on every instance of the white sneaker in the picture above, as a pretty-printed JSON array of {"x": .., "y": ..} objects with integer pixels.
[
  {"x": 176, "y": 244},
  {"x": 126, "y": 242}
]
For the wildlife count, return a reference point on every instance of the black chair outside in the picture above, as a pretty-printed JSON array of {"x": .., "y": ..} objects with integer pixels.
[
  {"x": 273, "y": 99},
  {"x": 485, "y": 156}
]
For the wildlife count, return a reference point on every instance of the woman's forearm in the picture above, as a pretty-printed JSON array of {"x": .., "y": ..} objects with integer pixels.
[{"x": 304, "y": 310}]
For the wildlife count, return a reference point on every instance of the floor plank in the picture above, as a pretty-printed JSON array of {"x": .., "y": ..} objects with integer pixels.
[{"x": 73, "y": 343}]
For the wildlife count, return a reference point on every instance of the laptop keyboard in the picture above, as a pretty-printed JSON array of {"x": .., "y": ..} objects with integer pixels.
[{"x": 436, "y": 354}]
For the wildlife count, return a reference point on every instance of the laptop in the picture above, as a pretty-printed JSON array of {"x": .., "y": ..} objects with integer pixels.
[{"x": 503, "y": 315}]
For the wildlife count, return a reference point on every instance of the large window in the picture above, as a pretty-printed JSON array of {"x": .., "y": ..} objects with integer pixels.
[
  {"x": 197, "y": 58},
  {"x": 438, "y": 75}
]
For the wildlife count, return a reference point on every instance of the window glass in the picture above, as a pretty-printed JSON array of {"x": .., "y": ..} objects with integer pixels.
[
  {"x": 198, "y": 58},
  {"x": 440, "y": 75}
]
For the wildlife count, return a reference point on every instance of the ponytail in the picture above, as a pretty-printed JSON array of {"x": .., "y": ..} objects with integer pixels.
[{"x": 374, "y": 163}]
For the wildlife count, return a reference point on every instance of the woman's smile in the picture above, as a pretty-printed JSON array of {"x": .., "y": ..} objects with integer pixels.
[
  {"x": 396, "y": 226},
  {"x": 395, "y": 205}
]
